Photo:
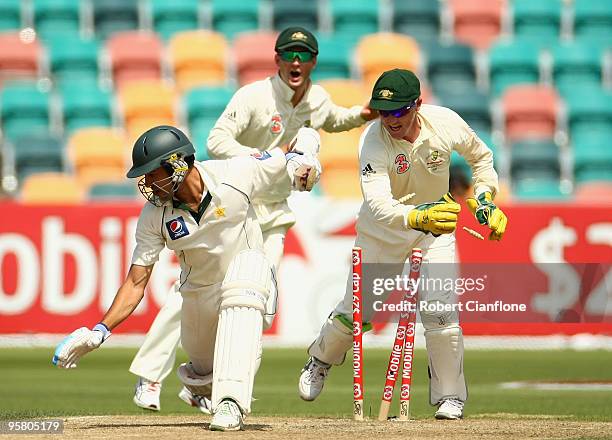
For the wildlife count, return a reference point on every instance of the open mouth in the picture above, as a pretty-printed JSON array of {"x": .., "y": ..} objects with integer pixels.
[
  {"x": 394, "y": 128},
  {"x": 295, "y": 74}
]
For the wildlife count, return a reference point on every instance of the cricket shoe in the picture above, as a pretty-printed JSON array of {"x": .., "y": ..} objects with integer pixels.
[
  {"x": 202, "y": 403},
  {"x": 312, "y": 379},
  {"x": 227, "y": 417},
  {"x": 146, "y": 394},
  {"x": 450, "y": 409}
]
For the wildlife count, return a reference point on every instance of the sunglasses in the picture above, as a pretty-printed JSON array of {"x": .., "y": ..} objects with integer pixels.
[
  {"x": 290, "y": 55},
  {"x": 398, "y": 113}
]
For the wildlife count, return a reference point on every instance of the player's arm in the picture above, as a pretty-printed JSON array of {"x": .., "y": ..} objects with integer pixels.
[
  {"x": 222, "y": 143},
  {"x": 340, "y": 118}
]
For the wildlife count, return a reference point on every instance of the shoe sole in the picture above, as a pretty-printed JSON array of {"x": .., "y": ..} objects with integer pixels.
[
  {"x": 189, "y": 401},
  {"x": 445, "y": 416},
  {"x": 144, "y": 405},
  {"x": 223, "y": 428}
]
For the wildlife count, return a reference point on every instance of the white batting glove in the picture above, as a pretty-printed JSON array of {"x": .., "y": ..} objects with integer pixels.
[
  {"x": 304, "y": 170},
  {"x": 79, "y": 343},
  {"x": 306, "y": 141}
]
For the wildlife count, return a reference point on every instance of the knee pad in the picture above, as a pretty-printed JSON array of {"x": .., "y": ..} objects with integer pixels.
[
  {"x": 334, "y": 340},
  {"x": 248, "y": 281},
  {"x": 194, "y": 382}
]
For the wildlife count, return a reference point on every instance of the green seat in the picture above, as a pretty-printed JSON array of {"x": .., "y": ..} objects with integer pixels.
[
  {"x": 577, "y": 64},
  {"x": 25, "y": 110},
  {"x": 539, "y": 188},
  {"x": 111, "y": 16},
  {"x": 354, "y": 19},
  {"x": 112, "y": 191},
  {"x": 537, "y": 20},
  {"x": 174, "y": 16},
  {"x": 200, "y": 130},
  {"x": 85, "y": 105},
  {"x": 417, "y": 18},
  {"x": 592, "y": 158},
  {"x": 589, "y": 112},
  {"x": 37, "y": 153},
  {"x": 10, "y": 15},
  {"x": 513, "y": 63},
  {"x": 231, "y": 18},
  {"x": 287, "y": 13},
  {"x": 73, "y": 59},
  {"x": 450, "y": 67},
  {"x": 471, "y": 105},
  {"x": 535, "y": 157},
  {"x": 53, "y": 17},
  {"x": 334, "y": 58},
  {"x": 593, "y": 19}
]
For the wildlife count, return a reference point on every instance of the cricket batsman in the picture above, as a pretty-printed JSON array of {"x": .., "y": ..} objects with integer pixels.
[
  {"x": 204, "y": 213},
  {"x": 408, "y": 150}
]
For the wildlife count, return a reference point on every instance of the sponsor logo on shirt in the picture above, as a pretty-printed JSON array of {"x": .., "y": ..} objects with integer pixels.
[
  {"x": 277, "y": 124},
  {"x": 177, "y": 228},
  {"x": 402, "y": 163},
  {"x": 434, "y": 160},
  {"x": 261, "y": 155},
  {"x": 231, "y": 116},
  {"x": 367, "y": 170}
]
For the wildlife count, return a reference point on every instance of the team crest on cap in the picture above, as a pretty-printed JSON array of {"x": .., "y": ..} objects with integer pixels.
[
  {"x": 177, "y": 228},
  {"x": 385, "y": 94},
  {"x": 299, "y": 36}
]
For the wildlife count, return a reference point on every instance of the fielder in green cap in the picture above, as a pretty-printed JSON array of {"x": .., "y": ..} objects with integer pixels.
[{"x": 405, "y": 161}]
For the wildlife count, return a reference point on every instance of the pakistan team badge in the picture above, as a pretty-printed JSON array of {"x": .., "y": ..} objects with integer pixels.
[
  {"x": 277, "y": 124},
  {"x": 220, "y": 212}
]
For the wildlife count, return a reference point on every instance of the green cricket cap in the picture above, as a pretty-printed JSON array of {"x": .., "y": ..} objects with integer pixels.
[
  {"x": 395, "y": 89},
  {"x": 296, "y": 36}
]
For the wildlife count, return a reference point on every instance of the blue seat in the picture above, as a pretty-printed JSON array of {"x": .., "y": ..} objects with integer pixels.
[
  {"x": 85, "y": 105},
  {"x": 589, "y": 112},
  {"x": 231, "y": 18},
  {"x": 113, "y": 192},
  {"x": 334, "y": 58},
  {"x": 37, "y": 153},
  {"x": 535, "y": 158},
  {"x": 354, "y": 19},
  {"x": 111, "y": 16},
  {"x": 577, "y": 64},
  {"x": 25, "y": 110},
  {"x": 539, "y": 188},
  {"x": 593, "y": 19},
  {"x": 592, "y": 158},
  {"x": 170, "y": 17},
  {"x": 287, "y": 13},
  {"x": 537, "y": 20},
  {"x": 10, "y": 15},
  {"x": 57, "y": 17},
  {"x": 471, "y": 105},
  {"x": 417, "y": 18},
  {"x": 450, "y": 67},
  {"x": 512, "y": 63},
  {"x": 73, "y": 59}
]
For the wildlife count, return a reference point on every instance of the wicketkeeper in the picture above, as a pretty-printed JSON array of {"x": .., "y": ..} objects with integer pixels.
[{"x": 408, "y": 150}]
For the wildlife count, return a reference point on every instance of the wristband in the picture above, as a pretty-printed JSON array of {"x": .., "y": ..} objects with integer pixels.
[{"x": 101, "y": 327}]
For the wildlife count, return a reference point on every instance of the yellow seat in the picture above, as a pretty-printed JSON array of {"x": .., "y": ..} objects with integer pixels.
[
  {"x": 199, "y": 58},
  {"x": 341, "y": 183},
  {"x": 51, "y": 189},
  {"x": 346, "y": 92},
  {"x": 340, "y": 149},
  {"x": 145, "y": 104},
  {"x": 376, "y": 53}
]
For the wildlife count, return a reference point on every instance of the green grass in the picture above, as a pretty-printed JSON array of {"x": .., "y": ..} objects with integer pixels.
[{"x": 31, "y": 387}]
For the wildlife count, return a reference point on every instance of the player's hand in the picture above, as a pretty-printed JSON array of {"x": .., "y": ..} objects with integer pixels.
[
  {"x": 368, "y": 113},
  {"x": 306, "y": 141},
  {"x": 438, "y": 217},
  {"x": 79, "y": 343},
  {"x": 488, "y": 214},
  {"x": 304, "y": 170}
]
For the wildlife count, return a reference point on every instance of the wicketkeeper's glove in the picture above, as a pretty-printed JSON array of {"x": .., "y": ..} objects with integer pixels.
[
  {"x": 79, "y": 343},
  {"x": 488, "y": 214},
  {"x": 438, "y": 217}
]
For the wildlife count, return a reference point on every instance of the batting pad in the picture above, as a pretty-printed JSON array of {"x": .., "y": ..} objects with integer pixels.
[
  {"x": 334, "y": 340},
  {"x": 445, "y": 350}
]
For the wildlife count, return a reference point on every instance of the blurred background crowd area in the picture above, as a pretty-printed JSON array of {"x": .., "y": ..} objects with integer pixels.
[{"x": 80, "y": 80}]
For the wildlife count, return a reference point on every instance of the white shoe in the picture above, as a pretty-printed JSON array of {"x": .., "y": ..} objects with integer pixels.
[
  {"x": 202, "y": 403},
  {"x": 146, "y": 394},
  {"x": 227, "y": 417},
  {"x": 450, "y": 409},
  {"x": 312, "y": 378}
]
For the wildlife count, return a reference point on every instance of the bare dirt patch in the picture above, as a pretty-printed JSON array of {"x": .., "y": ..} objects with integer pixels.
[{"x": 497, "y": 426}]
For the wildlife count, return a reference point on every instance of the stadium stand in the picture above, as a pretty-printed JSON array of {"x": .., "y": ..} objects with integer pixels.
[
  {"x": 51, "y": 189},
  {"x": 537, "y": 20},
  {"x": 37, "y": 153},
  {"x": 134, "y": 55},
  {"x": 84, "y": 104},
  {"x": 25, "y": 110},
  {"x": 73, "y": 60},
  {"x": 418, "y": 18},
  {"x": 254, "y": 56},
  {"x": 231, "y": 18},
  {"x": 10, "y": 15},
  {"x": 530, "y": 111},
  {"x": 354, "y": 19},
  {"x": 334, "y": 58},
  {"x": 450, "y": 67},
  {"x": 111, "y": 16},
  {"x": 477, "y": 23},
  {"x": 21, "y": 56},
  {"x": 170, "y": 17},
  {"x": 57, "y": 18},
  {"x": 287, "y": 13},
  {"x": 513, "y": 62}
]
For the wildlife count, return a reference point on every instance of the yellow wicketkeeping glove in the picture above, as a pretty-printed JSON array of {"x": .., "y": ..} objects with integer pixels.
[
  {"x": 488, "y": 214},
  {"x": 438, "y": 217}
]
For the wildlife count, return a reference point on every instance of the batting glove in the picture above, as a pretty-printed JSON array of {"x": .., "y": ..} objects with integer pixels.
[
  {"x": 79, "y": 343},
  {"x": 488, "y": 214},
  {"x": 437, "y": 218},
  {"x": 304, "y": 170}
]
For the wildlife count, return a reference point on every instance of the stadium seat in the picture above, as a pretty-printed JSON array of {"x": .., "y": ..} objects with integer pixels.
[
  {"x": 73, "y": 59},
  {"x": 593, "y": 19},
  {"x": 418, "y": 18},
  {"x": 145, "y": 104},
  {"x": 477, "y": 23},
  {"x": 170, "y": 17},
  {"x": 334, "y": 58},
  {"x": 379, "y": 52},
  {"x": 111, "y": 16},
  {"x": 594, "y": 192},
  {"x": 592, "y": 158},
  {"x": 354, "y": 19},
  {"x": 530, "y": 111},
  {"x": 512, "y": 63},
  {"x": 37, "y": 153},
  {"x": 577, "y": 63},
  {"x": 450, "y": 67},
  {"x": 471, "y": 105},
  {"x": 287, "y": 13},
  {"x": 233, "y": 17},
  {"x": 113, "y": 192},
  {"x": 199, "y": 58},
  {"x": 537, "y": 20},
  {"x": 589, "y": 112},
  {"x": 346, "y": 92},
  {"x": 134, "y": 55},
  {"x": 535, "y": 158},
  {"x": 85, "y": 105},
  {"x": 56, "y": 17},
  {"x": 20, "y": 57},
  {"x": 204, "y": 106},
  {"x": 98, "y": 154},
  {"x": 339, "y": 150},
  {"x": 10, "y": 15},
  {"x": 51, "y": 189},
  {"x": 341, "y": 183},
  {"x": 254, "y": 56},
  {"x": 25, "y": 110},
  {"x": 538, "y": 189}
]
